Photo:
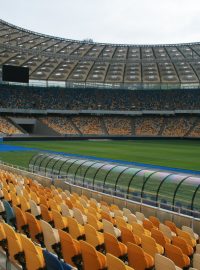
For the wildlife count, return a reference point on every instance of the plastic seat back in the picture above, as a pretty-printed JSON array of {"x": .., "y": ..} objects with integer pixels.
[
  {"x": 108, "y": 227},
  {"x": 66, "y": 212},
  {"x": 51, "y": 236},
  {"x": 33, "y": 255},
  {"x": 113, "y": 246},
  {"x": 159, "y": 237},
  {"x": 79, "y": 216},
  {"x": 115, "y": 263},
  {"x": 131, "y": 218},
  {"x": 46, "y": 214},
  {"x": 52, "y": 262},
  {"x": 35, "y": 228},
  {"x": 155, "y": 221},
  {"x": 10, "y": 216},
  {"x": 60, "y": 222},
  {"x": 70, "y": 248},
  {"x": 74, "y": 228},
  {"x": 91, "y": 235},
  {"x": 140, "y": 216},
  {"x": 176, "y": 255},
  {"x": 92, "y": 259},
  {"x": 25, "y": 206},
  {"x": 128, "y": 236},
  {"x": 164, "y": 263},
  {"x": 196, "y": 261},
  {"x": 141, "y": 262},
  {"x": 166, "y": 230},
  {"x": 14, "y": 242},
  {"x": 35, "y": 209},
  {"x": 21, "y": 220}
]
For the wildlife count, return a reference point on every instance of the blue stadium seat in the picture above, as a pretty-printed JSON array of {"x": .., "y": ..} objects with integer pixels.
[
  {"x": 53, "y": 263},
  {"x": 10, "y": 215}
]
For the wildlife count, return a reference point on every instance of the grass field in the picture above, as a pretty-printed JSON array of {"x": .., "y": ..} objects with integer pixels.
[{"x": 175, "y": 153}]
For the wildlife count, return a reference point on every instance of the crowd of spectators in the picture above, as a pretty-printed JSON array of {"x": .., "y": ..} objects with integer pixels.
[
  {"x": 7, "y": 128},
  {"x": 88, "y": 124},
  {"x": 97, "y": 99},
  {"x": 148, "y": 125},
  {"x": 177, "y": 126},
  {"x": 61, "y": 125},
  {"x": 118, "y": 125}
]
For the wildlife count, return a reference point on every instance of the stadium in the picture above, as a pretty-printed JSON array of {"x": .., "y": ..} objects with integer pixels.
[{"x": 99, "y": 154}]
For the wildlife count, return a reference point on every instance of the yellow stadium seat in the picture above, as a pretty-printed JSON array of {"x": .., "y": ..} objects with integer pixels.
[
  {"x": 92, "y": 259},
  {"x": 33, "y": 254},
  {"x": 115, "y": 263},
  {"x": 138, "y": 259},
  {"x": 93, "y": 237}
]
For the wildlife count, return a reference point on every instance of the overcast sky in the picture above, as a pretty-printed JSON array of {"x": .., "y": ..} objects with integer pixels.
[{"x": 113, "y": 21}]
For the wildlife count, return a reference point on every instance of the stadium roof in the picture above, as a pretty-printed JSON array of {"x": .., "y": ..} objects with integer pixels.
[{"x": 56, "y": 59}]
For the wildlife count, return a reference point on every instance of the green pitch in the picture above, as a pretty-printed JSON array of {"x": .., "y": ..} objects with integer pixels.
[{"x": 176, "y": 153}]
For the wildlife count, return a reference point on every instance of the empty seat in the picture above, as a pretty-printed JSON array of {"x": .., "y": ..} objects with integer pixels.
[
  {"x": 70, "y": 248},
  {"x": 160, "y": 238},
  {"x": 191, "y": 241},
  {"x": 53, "y": 263},
  {"x": 51, "y": 237},
  {"x": 33, "y": 254},
  {"x": 132, "y": 218},
  {"x": 109, "y": 228},
  {"x": 107, "y": 216},
  {"x": 35, "y": 209},
  {"x": 148, "y": 225},
  {"x": 15, "y": 249},
  {"x": 15, "y": 199},
  {"x": 76, "y": 230},
  {"x": 138, "y": 259},
  {"x": 115, "y": 263},
  {"x": 66, "y": 212},
  {"x": 196, "y": 261},
  {"x": 126, "y": 212},
  {"x": 171, "y": 225},
  {"x": 164, "y": 263},
  {"x": 3, "y": 240},
  {"x": 35, "y": 229},
  {"x": 194, "y": 235},
  {"x": 93, "y": 237},
  {"x": 79, "y": 216},
  {"x": 92, "y": 220},
  {"x": 24, "y": 204},
  {"x": 128, "y": 236},
  {"x": 54, "y": 206},
  {"x": 21, "y": 220},
  {"x": 92, "y": 259},
  {"x": 150, "y": 246},
  {"x": 60, "y": 222},
  {"x": 10, "y": 215},
  {"x": 139, "y": 230},
  {"x": 155, "y": 221},
  {"x": 46, "y": 214},
  {"x": 166, "y": 231},
  {"x": 176, "y": 255},
  {"x": 182, "y": 244},
  {"x": 113, "y": 246},
  {"x": 140, "y": 216},
  {"x": 120, "y": 222}
]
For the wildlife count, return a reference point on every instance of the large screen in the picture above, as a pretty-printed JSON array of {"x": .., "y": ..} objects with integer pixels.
[{"x": 15, "y": 74}]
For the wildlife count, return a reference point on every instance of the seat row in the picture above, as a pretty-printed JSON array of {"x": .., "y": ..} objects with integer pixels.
[{"x": 86, "y": 219}]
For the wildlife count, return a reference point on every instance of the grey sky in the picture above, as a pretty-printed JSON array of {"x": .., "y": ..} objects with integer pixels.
[{"x": 113, "y": 21}]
